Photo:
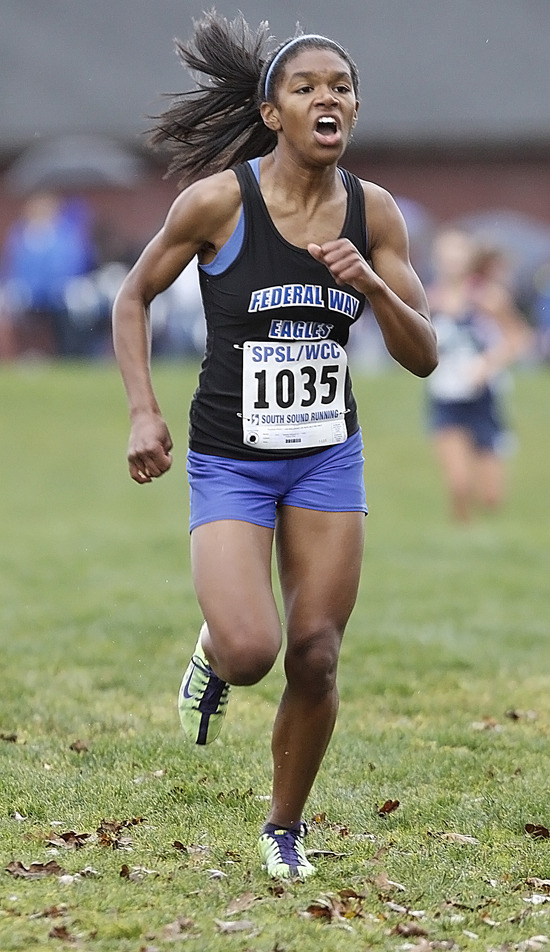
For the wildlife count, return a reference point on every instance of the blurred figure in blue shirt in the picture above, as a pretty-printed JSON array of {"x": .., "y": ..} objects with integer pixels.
[{"x": 45, "y": 248}]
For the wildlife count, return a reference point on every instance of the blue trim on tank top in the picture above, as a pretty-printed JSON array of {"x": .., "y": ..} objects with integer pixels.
[{"x": 229, "y": 251}]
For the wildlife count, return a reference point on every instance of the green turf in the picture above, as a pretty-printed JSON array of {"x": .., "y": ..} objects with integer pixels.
[{"x": 444, "y": 683}]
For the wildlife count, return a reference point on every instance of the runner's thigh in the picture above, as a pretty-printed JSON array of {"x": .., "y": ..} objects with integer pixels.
[
  {"x": 319, "y": 556},
  {"x": 231, "y": 564}
]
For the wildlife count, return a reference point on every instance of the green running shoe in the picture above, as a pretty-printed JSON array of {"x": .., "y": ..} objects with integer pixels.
[
  {"x": 282, "y": 852},
  {"x": 202, "y": 700}
]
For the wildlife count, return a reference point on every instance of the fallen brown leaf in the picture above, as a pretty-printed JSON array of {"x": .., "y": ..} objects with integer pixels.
[
  {"x": 388, "y": 807},
  {"x": 123, "y": 843},
  {"x": 136, "y": 873},
  {"x": 79, "y": 746},
  {"x": 174, "y": 930},
  {"x": 340, "y": 830},
  {"x": 111, "y": 833},
  {"x": 320, "y": 819},
  {"x": 537, "y": 831},
  {"x": 321, "y": 909},
  {"x": 61, "y": 933},
  {"x": 408, "y": 929},
  {"x": 381, "y": 881},
  {"x": 52, "y": 912},
  {"x": 69, "y": 840},
  {"x": 349, "y": 893},
  {"x": 190, "y": 848},
  {"x": 380, "y": 852},
  {"x": 347, "y": 905},
  {"x": 117, "y": 825},
  {"x": 35, "y": 870},
  {"x": 241, "y": 903},
  {"x": 277, "y": 890},
  {"x": 90, "y": 873},
  {"x": 542, "y": 884}
]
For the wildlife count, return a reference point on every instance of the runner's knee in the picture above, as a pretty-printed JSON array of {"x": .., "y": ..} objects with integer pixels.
[
  {"x": 245, "y": 659},
  {"x": 311, "y": 662}
]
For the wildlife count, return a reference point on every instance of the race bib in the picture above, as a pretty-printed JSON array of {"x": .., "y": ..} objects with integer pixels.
[{"x": 294, "y": 394}]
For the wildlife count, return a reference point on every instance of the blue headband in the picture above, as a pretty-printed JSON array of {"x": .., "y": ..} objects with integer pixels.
[{"x": 287, "y": 46}]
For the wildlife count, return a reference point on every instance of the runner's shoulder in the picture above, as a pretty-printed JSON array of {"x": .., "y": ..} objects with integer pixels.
[{"x": 210, "y": 202}]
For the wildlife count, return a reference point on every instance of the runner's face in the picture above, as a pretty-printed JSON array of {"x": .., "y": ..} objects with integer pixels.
[{"x": 315, "y": 104}]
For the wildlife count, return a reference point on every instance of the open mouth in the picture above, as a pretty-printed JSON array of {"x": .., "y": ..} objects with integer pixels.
[{"x": 327, "y": 128}]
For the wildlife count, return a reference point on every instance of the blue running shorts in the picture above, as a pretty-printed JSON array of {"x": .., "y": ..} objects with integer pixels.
[
  {"x": 252, "y": 490},
  {"x": 481, "y": 418}
]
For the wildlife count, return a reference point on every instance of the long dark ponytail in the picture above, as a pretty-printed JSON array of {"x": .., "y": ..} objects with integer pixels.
[{"x": 217, "y": 124}]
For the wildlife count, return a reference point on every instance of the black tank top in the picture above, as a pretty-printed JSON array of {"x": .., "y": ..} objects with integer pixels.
[{"x": 272, "y": 292}]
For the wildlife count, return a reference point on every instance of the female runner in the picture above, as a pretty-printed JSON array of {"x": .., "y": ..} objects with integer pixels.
[{"x": 290, "y": 246}]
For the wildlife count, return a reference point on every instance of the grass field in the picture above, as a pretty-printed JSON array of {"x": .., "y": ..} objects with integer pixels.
[{"x": 140, "y": 843}]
